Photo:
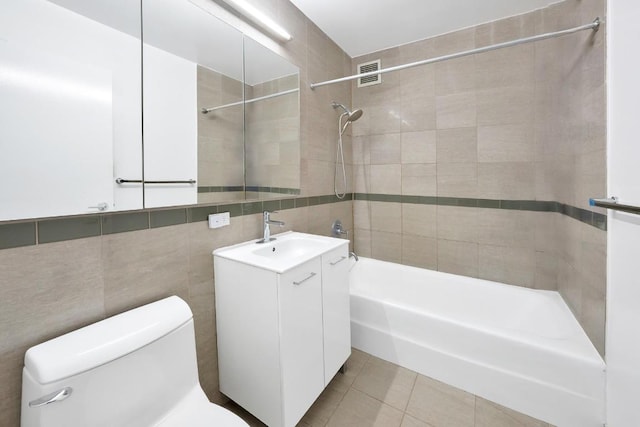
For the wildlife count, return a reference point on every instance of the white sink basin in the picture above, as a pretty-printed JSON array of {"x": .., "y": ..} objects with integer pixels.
[{"x": 287, "y": 251}]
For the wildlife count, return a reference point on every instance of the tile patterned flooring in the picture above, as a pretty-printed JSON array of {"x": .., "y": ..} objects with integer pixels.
[{"x": 373, "y": 392}]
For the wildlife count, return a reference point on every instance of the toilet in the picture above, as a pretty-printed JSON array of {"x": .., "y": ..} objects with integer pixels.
[{"x": 135, "y": 369}]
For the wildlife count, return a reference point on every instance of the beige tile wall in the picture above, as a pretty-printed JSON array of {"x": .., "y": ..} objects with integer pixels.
[
  {"x": 571, "y": 163},
  {"x": 220, "y": 135},
  {"x": 47, "y": 290},
  {"x": 523, "y": 123},
  {"x": 273, "y": 135}
]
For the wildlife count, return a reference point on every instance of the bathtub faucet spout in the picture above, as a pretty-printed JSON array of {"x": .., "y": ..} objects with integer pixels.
[{"x": 353, "y": 254}]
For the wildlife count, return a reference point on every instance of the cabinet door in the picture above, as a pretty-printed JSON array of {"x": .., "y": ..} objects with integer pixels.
[
  {"x": 247, "y": 316},
  {"x": 300, "y": 308},
  {"x": 336, "y": 317}
]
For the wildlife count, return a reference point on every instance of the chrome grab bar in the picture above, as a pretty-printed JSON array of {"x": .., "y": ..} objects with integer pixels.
[
  {"x": 612, "y": 203},
  {"x": 56, "y": 396},
  {"x": 140, "y": 181},
  {"x": 342, "y": 258},
  {"x": 305, "y": 279}
]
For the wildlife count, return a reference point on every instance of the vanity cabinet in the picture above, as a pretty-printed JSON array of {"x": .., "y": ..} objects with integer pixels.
[
  {"x": 336, "y": 319},
  {"x": 282, "y": 336}
]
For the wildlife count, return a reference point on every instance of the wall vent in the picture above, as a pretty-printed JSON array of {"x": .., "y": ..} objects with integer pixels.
[{"x": 376, "y": 79}]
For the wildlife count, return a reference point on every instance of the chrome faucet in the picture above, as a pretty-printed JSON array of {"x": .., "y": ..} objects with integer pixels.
[{"x": 267, "y": 231}]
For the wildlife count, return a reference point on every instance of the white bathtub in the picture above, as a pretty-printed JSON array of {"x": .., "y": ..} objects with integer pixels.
[{"x": 519, "y": 347}]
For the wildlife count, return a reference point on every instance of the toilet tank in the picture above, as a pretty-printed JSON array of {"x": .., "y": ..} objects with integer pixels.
[{"x": 127, "y": 370}]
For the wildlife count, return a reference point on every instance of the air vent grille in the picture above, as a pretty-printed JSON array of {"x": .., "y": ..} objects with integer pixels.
[{"x": 367, "y": 67}]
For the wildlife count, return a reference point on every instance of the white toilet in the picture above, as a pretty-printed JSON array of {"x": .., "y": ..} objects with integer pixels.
[{"x": 135, "y": 369}]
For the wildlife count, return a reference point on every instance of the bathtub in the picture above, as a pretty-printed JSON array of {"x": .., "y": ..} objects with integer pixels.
[{"x": 519, "y": 347}]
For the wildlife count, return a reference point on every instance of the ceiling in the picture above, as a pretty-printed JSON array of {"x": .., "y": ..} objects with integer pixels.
[{"x": 364, "y": 26}]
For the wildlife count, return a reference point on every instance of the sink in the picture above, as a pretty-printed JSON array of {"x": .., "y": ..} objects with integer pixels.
[
  {"x": 285, "y": 252},
  {"x": 292, "y": 247}
]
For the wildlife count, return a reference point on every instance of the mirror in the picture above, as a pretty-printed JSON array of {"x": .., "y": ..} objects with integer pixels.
[
  {"x": 216, "y": 108},
  {"x": 191, "y": 59},
  {"x": 272, "y": 123},
  {"x": 74, "y": 109},
  {"x": 70, "y": 115}
]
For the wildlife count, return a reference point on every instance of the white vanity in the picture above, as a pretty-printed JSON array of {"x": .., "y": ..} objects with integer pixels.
[{"x": 282, "y": 313}]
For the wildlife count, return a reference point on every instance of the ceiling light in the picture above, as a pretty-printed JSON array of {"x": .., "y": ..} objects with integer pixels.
[{"x": 259, "y": 18}]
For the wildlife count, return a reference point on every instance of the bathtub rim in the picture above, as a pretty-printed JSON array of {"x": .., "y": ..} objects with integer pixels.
[
  {"x": 577, "y": 332},
  {"x": 543, "y": 399}
]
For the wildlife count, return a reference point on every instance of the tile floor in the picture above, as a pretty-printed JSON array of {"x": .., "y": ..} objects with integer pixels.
[{"x": 373, "y": 392}]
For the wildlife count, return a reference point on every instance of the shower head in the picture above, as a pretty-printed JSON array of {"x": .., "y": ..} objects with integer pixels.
[{"x": 352, "y": 116}]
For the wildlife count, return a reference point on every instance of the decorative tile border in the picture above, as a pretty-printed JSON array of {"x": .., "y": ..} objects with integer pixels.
[
  {"x": 278, "y": 190},
  {"x": 594, "y": 219},
  {"x": 220, "y": 189},
  {"x": 56, "y": 230},
  {"x": 167, "y": 217},
  {"x": 17, "y": 234},
  {"x": 123, "y": 222},
  {"x": 255, "y": 189}
]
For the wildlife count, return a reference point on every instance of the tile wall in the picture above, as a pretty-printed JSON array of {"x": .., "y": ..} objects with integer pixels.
[
  {"x": 85, "y": 273},
  {"x": 220, "y": 138},
  {"x": 273, "y": 132},
  {"x": 502, "y": 149}
]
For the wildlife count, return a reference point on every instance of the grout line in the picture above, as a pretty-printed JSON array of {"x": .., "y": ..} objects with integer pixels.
[
  {"x": 335, "y": 409},
  {"x": 413, "y": 387},
  {"x": 475, "y": 409}
]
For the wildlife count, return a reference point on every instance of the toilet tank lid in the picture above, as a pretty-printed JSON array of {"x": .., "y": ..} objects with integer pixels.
[{"x": 104, "y": 341}]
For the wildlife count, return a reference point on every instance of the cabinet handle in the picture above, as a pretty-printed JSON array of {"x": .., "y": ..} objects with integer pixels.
[
  {"x": 338, "y": 261},
  {"x": 305, "y": 279}
]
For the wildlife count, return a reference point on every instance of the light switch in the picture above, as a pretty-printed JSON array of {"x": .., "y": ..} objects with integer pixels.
[{"x": 219, "y": 220}]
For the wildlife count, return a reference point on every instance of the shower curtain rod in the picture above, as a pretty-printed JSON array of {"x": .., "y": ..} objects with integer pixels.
[
  {"x": 248, "y": 101},
  {"x": 595, "y": 25}
]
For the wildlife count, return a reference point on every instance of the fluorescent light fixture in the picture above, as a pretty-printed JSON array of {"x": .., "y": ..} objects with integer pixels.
[{"x": 259, "y": 18}]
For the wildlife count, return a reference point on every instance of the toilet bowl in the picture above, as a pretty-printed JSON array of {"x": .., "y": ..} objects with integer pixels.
[{"x": 135, "y": 369}]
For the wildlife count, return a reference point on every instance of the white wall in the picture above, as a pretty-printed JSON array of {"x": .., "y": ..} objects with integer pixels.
[{"x": 623, "y": 289}]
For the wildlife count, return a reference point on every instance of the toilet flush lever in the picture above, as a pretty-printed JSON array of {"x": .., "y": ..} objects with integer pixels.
[{"x": 56, "y": 396}]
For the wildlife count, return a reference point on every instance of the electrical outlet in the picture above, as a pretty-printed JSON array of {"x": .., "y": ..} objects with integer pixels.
[{"x": 219, "y": 220}]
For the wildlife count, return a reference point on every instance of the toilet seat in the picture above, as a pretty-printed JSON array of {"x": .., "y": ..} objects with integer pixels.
[{"x": 195, "y": 410}]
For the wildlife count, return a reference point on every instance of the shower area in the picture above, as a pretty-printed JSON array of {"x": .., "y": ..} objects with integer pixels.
[{"x": 483, "y": 165}]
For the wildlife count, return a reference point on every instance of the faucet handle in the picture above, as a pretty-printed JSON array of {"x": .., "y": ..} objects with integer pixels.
[
  {"x": 266, "y": 214},
  {"x": 337, "y": 230}
]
